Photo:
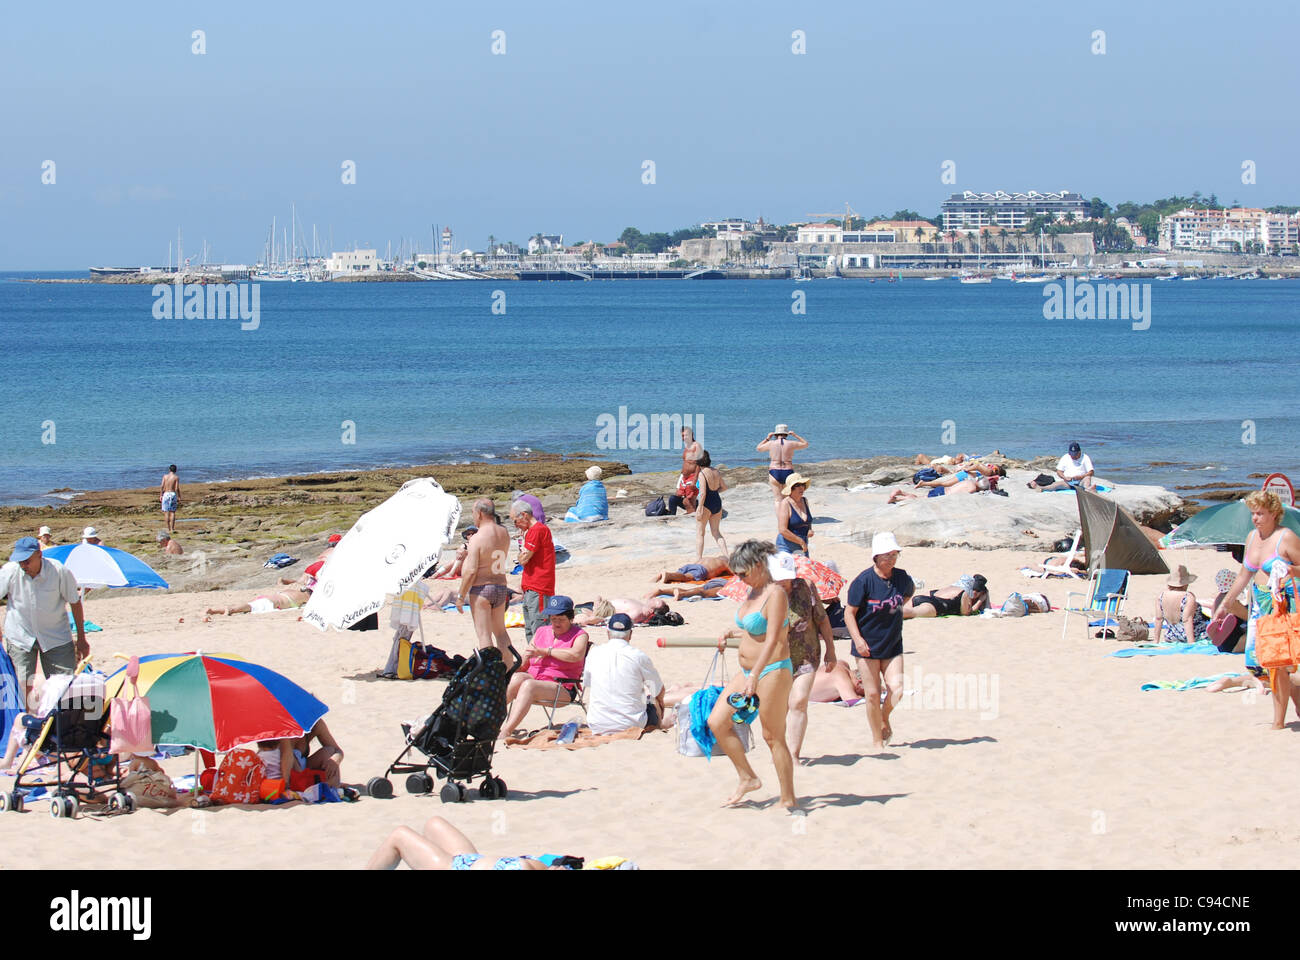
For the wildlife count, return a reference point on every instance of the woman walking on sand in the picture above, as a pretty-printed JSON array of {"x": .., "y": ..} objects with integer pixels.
[
  {"x": 709, "y": 483},
  {"x": 1274, "y": 551},
  {"x": 766, "y": 673},
  {"x": 874, "y": 616}
]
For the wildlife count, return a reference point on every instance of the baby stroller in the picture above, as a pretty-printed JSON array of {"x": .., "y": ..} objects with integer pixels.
[
  {"x": 72, "y": 730},
  {"x": 458, "y": 738}
]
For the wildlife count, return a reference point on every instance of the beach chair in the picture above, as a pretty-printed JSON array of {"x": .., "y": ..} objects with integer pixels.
[
  {"x": 1063, "y": 568},
  {"x": 562, "y": 700},
  {"x": 1101, "y": 604}
]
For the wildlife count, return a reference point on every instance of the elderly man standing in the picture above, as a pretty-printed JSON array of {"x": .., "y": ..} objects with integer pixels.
[
  {"x": 538, "y": 559},
  {"x": 483, "y": 580},
  {"x": 36, "y": 625}
]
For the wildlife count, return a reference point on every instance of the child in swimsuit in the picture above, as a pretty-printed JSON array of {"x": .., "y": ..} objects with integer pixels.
[{"x": 440, "y": 846}]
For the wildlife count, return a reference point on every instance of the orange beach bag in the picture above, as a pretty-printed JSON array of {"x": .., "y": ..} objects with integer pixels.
[{"x": 1277, "y": 634}]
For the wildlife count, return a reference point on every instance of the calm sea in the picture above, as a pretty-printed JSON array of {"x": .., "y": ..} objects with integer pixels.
[{"x": 420, "y": 372}]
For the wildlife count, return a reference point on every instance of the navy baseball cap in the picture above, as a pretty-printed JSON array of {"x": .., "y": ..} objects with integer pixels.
[
  {"x": 1075, "y": 448},
  {"x": 558, "y": 604},
  {"x": 619, "y": 623},
  {"x": 24, "y": 548}
]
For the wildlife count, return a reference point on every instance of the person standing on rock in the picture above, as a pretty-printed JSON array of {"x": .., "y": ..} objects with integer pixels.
[
  {"x": 780, "y": 447},
  {"x": 170, "y": 493}
]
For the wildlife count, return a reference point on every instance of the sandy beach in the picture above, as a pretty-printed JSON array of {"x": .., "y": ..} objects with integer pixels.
[{"x": 1013, "y": 747}]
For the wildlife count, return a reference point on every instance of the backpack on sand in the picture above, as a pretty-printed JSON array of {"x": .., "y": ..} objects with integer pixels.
[{"x": 656, "y": 508}]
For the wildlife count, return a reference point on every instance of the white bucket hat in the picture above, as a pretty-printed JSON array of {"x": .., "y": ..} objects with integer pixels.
[
  {"x": 88, "y": 533},
  {"x": 781, "y": 566},
  {"x": 884, "y": 542},
  {"x": 594, "y": 473},
  {"x": 781, "y": 428}
]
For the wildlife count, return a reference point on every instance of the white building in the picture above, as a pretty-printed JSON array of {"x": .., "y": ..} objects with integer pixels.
[
  {"x": 970, "y": 211},
  {"x": 546, "y": 243},
  {"x": 730, "y": 225},
  {"x": 353, "y": 261}
]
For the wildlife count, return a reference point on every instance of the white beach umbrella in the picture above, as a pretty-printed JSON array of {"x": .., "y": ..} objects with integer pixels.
[{"x": 386, "y": 551}]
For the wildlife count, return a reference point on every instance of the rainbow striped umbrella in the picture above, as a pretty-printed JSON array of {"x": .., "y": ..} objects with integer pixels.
[{"x": 218, "y": 701}]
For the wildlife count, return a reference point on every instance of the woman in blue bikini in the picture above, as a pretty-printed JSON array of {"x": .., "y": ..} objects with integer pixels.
[
  {"x": 440, "y": 847},
  {"x": 1273, "y": 550},
  {"x": 766, "y": 671}
]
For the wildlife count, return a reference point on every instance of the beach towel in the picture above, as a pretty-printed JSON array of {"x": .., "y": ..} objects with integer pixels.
[
  {"x": 1164, "y": 649},
  {"x": 90, "y": 627},
  {"x": 405, "y": 611},
  {"x": 11, "y": 697},
  {"x": 280, "y": 561},
  {"x": 1191, "y": 684},
  {"x": 1099, "y": 488},
  {"x": 702, "y": 702},
  {"x": 593, "y": 504},
  {"x": 550, "y": 739}
]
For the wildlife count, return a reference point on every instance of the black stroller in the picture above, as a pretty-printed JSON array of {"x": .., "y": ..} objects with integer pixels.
[
  {"x": 458, "y": 738},
  {"x": 74, "y": 734}
]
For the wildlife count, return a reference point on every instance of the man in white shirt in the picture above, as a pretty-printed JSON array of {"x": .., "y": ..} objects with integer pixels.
[
  {"x": 1074, "y": 470},
  {"x": 619, "y": 680},
  {"x": 39, "y": 592}
]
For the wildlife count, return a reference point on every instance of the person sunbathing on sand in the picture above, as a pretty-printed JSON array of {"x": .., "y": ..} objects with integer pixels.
[
  {"x": 706, "y": 569},
  {"x": 710, "y": 588},
  {"x": 962, "y": 599},
  {"x": 841, "y": 683},
  {"x": 639, "y": 610},
  {"x": 440, "y": 846},
  {"x": 285, "y": 600}
]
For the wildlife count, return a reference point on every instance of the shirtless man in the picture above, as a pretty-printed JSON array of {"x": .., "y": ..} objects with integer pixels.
[
  {"x": 170, "y": 493},
  {"x": 706, "y": 569},
  {"x": 483, "y": 580},
  {"x": 168, "y": 545},
  {"x": 780, "y": 450},
  {"x": 284, "y": 600},
  {"x": 639, "y": 610}
]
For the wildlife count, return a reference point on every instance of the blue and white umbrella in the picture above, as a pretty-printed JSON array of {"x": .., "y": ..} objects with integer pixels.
[{"x": 98, "y": 566}]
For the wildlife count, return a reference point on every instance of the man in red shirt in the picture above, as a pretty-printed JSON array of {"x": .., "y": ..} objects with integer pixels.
[{"x": 538, "y": 559}]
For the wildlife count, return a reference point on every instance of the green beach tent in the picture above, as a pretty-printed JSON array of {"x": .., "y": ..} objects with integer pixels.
[
  {"x": 1224, "y": 523},
  {"x": 1112, "y": 539}
]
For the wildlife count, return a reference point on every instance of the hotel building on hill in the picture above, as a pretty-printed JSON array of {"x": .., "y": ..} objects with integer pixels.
[{"x": 968, "y": 211}]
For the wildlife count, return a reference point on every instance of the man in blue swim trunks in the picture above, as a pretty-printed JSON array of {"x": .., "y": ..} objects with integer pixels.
[{"x": 170, "y": 493}]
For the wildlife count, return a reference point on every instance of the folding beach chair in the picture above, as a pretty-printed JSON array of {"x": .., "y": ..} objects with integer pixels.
[
  {"x": 1063, "y": 568},
  {"x": 562, "y": 700},
  {"x": 1107, "y": 591}
]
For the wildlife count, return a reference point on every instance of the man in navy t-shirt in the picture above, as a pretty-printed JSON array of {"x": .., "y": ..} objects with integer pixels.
[{"x": 875, "y": 621}]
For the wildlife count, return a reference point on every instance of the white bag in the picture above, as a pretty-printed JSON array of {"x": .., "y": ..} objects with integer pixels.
[{"x": 686, "y": 744}]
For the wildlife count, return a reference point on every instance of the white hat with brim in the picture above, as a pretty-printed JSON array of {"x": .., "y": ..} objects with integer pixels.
[
  {"x": 883, "y": 543},
  {"x": 44, "y": 531},
  {"x": 781, "y": 428},
  {"x": 88, "y": 533},
  {"x": 781, "y": 566}
]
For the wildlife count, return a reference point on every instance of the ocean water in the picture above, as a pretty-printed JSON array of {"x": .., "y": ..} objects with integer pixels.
[{"x": 427, "y": 372}]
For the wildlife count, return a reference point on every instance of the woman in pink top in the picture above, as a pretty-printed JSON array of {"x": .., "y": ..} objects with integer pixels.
[{"x": 555, "y": 659}]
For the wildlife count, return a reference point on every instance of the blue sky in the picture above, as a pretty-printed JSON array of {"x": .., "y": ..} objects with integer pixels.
[{"x": 148, "y": 137}]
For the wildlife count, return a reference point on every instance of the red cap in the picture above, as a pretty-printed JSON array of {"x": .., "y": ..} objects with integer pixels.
[
  {"x": 314, "y": 568},
  {"x": 335, "y": 538}
]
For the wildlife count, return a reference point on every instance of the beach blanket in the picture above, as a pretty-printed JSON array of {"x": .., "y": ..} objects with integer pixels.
[
  {"x": 1164, "y": 649},
  {"x": 1191, "y": 684},
  {"x": 90, "y": 627},
  {"x": 1099, "y": 488},
  {"x": 593, "y": 504},
  {"x": 280, "y": 560},
  {"x": 549, "y": 739}
]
